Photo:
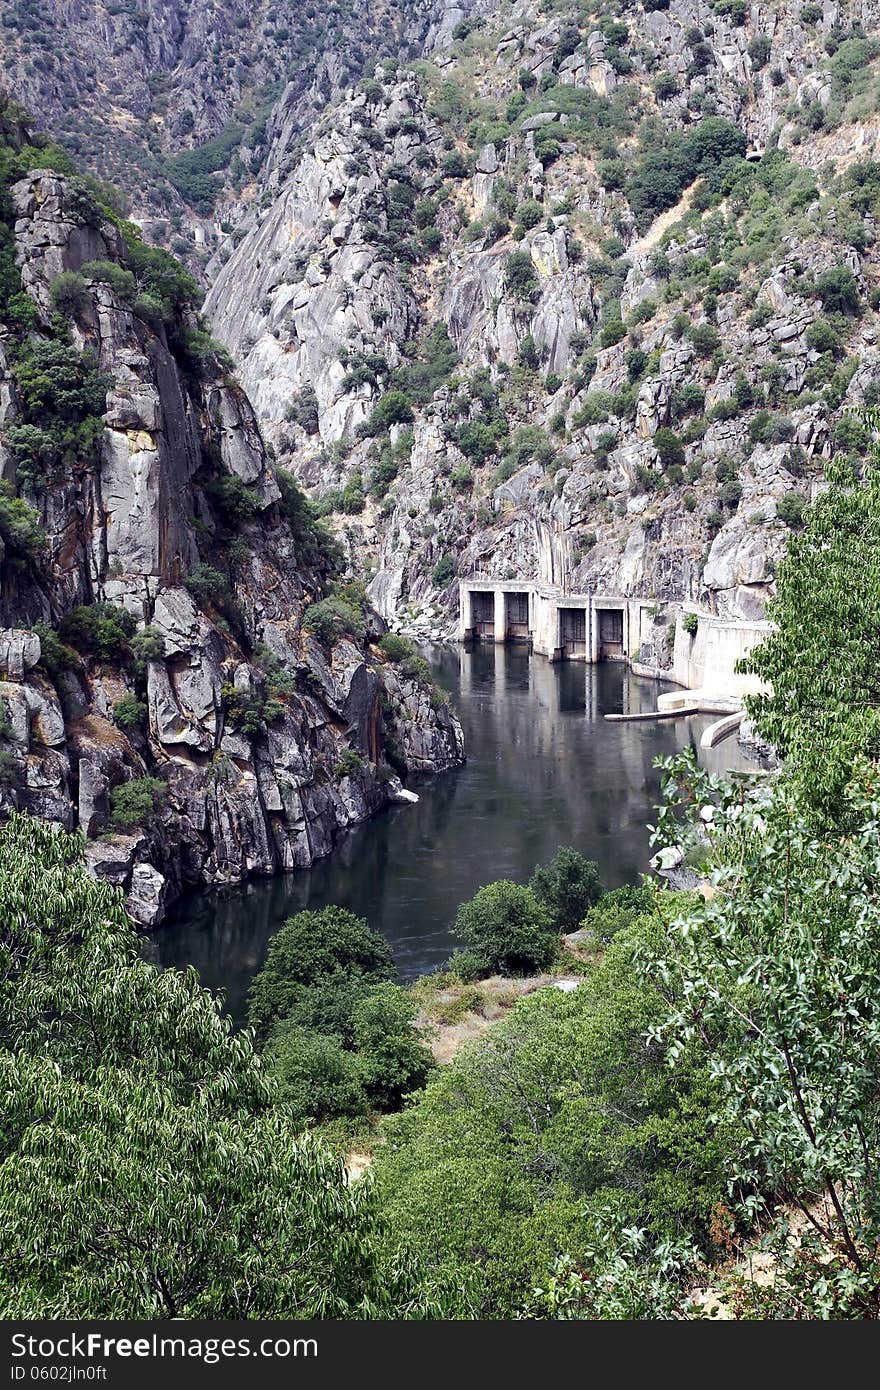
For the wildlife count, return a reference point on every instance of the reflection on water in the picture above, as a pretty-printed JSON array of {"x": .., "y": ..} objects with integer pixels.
[{"x": 544, "y": 769}]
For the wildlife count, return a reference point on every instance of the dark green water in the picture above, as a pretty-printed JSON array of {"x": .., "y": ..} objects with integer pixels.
[{"x": 543, "y": 770}]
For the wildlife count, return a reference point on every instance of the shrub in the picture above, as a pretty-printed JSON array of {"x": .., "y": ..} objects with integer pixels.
[
  {"x": 759, "y": 51},
  {"x": 566, "y": 888},
  {"x": 393, "y": 408},
  {"x": 55, "y": 657},
  {"x": 133, "y": 804},
  {"x": 349, "y": 763},
  {"x": 147, "y": 645},
  {"x": 528, "y": 215},
  {"x": 332, "y": 619},
  {"x": 206, "y": 583},
  {"x": 770, "y": 429},
  {"x": 20, "y": 527},
  {"x": 520, "y": 277},
  {"x": 394, "y": 1062},
  {"x": 455, "y": 165},
  {"x": 99, "y": 629},
  {"x": 791, "y": 509},
  {"x": 314, "y": 543},
  {"x": 690, "y": 622},
  {"x": 666, "y": 85},
  {"x": 595, "y": 409},
  {"x": 443, "y": 572},
  {"x": 477, "y": 441},
  {"x": 317, "y": 1076},
  {"x": 822, "y": 338},
  {"x": 70, "y": 294},
  {"x": 122, "y": 282},
  {"x": 689, "y": 397},
  {"x": 734, "y": 10},
  {"x": 394, "y": 647},
  {"x": 548, "y": 141},
  {"x": 669, "y": 448},
  {"x": 527, "y": 354},
  {"x": 730, "y": 494},
  {"x": 303, "y": 410},
  {"x": 613, "y": 331},
  {"x": 839, "y": 291},
  {"x": 617, "y": 910},
  {"x": 705, "y": 338},
  {"x": 508, "y": 929},
  {"x": 353, "y": 501},
  {"x": 129, "y": 712},
  {"x": 434, "y": 362},
  {"x": 234, "y": 500},
  {"x": 328, "y": 950},
  {"x": 636, "y": 362}
]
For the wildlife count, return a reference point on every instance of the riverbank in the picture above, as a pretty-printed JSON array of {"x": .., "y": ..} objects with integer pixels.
[
  {"x": 454, "y": 1013},
  {"x": 544, "y": 769}
]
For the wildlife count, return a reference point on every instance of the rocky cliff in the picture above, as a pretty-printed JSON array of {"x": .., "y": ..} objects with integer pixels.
[
  {"x": 587, "y": 296},
  {"x": 182, "y": 678},
  {"x": 179, "y": 104}
]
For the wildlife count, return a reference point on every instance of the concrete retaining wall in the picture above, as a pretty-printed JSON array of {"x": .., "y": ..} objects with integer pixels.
[{"x": 707, "y": 660}]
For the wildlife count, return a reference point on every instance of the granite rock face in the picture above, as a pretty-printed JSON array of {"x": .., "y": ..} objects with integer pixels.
[
  {"x": 263, "y": 743},
  {"x": 165, "y": 80},
  {"x": 396, "y": 219}
]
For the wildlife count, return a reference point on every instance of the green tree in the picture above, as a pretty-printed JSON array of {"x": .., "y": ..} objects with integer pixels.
[
  {"x": 780, "y": 987},
  {"x": 839, "y": 291},
  {"x": 822, "y": 708},
  {"x": 669, "y": 447},
  {"x": 129, "y": 712},
  {"x": 394, "y": 1060},
  {"x": 562, "y": 1132},
  {"x": 567, "y": 887},
  {"x": 70, "y": 293},
  {"x": 317, "y": 1076},
  {"x": 507, "y": 929},
  {"x": 520, "y": 276},
  {"x": 147, "y": 1170},
  {"x": 99, "y": 629},
  {"x": 133, "y": 804},
  {"x": 316, "y": 949},
  {"x": 332, "y": 619}
]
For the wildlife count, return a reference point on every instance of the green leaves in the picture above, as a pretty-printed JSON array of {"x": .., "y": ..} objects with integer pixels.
[
  {"x": 823, "y": 710},
  {"x": 554, "y": 1133},
  {"x": 146, "y": 1169},
  {"x": 506, "y": 927},
  {"x": 780, "y": 987}
]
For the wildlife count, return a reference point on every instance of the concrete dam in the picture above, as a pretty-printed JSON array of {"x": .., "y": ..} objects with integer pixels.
[{"x": 612, "y": 627}]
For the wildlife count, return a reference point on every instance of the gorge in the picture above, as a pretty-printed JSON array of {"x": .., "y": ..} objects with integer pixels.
[
  {"x": 543, "y": 770},
  {"x": 425, "y": 424}
]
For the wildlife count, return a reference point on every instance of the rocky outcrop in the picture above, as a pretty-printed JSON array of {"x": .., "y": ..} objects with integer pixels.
[
  {"x": 128, "y": 90},
  {"x": 254, "y": 744},
  {"x": 650, "y": 459},
  {"x": 485, "y": 347}
]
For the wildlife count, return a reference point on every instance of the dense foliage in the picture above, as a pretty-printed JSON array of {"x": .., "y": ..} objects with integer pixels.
[
  {"x": 822, "y": 710},
  {"x": 563, "y": 1123},
  {"x": 339, "y": 1034},
  {"x": 776, "y": 980},
  {"x": 146, "y": 1168}
]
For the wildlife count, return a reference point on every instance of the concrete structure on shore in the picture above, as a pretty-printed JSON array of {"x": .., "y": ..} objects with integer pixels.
[{"x": 612, "y": 627}]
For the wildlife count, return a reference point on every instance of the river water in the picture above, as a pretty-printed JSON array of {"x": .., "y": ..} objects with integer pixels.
[{"x": 544, "y": 769}]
